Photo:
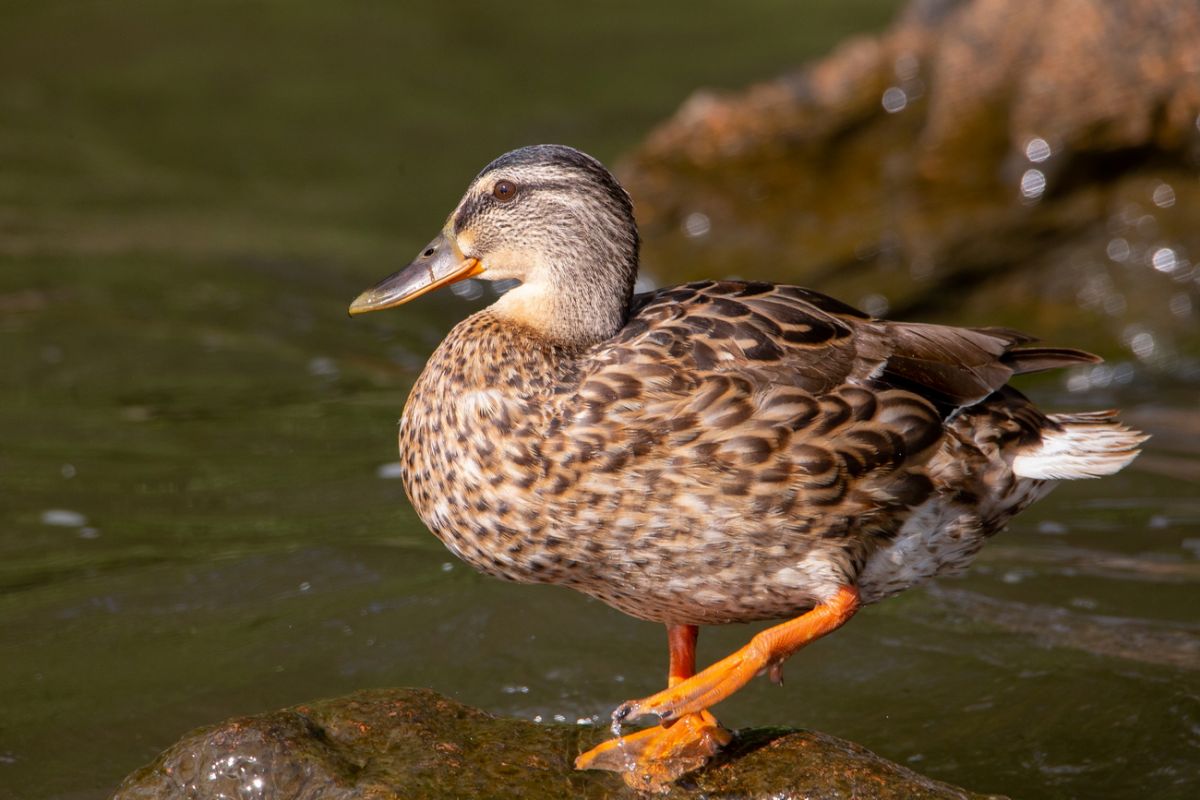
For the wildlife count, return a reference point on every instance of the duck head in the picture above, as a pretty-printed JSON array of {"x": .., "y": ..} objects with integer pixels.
[{"x": 553, "y": 219}]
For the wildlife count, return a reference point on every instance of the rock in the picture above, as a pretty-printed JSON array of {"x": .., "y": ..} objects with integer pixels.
[
  {"x": 999, "y": 161},
  {"x": 414, "y": 743}
]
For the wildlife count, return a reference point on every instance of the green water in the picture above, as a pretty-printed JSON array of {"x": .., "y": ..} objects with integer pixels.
[{"x": 196, "y": 518}]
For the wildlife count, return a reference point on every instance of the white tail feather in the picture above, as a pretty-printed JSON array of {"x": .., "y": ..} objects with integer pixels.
[{"x": 1086, "y": 445}]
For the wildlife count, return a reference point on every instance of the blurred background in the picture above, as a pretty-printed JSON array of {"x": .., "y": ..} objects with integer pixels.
[{"x": 199, "y": 511}]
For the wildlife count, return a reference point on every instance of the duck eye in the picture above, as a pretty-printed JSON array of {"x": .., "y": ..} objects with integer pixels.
[{"x": 504, "y": 191}]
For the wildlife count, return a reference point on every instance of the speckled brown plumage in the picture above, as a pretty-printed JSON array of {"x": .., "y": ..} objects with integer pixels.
[
  {"x": 708, "y": 453},
  {"x": 734, "y": 453}
]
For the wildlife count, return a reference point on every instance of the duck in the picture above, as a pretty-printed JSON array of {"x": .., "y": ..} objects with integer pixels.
[{"x": 707, "y": 453}]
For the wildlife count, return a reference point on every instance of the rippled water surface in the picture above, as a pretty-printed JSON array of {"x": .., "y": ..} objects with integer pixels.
[{"x": 199, "y": 515}]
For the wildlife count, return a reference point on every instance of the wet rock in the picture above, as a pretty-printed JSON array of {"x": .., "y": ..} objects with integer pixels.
[
  {"x": 414, "y": 743},
  {"x": 998, "y": 161}
]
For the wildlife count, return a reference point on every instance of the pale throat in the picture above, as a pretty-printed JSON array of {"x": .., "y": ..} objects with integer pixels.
[
  {"x": 529, "y": 304},
  {"x": 559, "y": 316}
]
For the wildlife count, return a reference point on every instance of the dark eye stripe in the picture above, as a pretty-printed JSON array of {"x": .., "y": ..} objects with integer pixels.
[
  {"x": 478, "y": 202},
  {"x": 470, "y": 210}
]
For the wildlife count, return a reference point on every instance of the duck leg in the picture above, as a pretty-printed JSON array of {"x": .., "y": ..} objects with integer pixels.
[
  {"x": 766, "y": 651},
  {"x": 688, "y": 735},
  {"x": 653, "y": 758}
]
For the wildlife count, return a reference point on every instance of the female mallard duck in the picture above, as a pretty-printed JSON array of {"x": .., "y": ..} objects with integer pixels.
[{"x": 707, "y": 453}]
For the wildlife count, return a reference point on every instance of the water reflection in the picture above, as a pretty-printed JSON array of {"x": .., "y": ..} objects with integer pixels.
[
  {"x": 1181, "y": 304},
  {"x": 894, "y": 100},
  {"x": 1037, "y": 150},
  {"x": 696, "y": 224},
  {"x": 1100, "y": 376},
  {"x": 468, "y": 290},
  {"x": 1122, "y": 637},
  {"x": 61, "y": 517},
  {"x": 1033, "y": 184},
  {"x": 392, "y": 470},
  {"x": 1164, "y": 195},
  {"x": 1163, "y": 260}
]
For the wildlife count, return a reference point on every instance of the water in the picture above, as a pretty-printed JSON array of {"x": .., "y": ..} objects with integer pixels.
[{"x": 197, "y": 514}]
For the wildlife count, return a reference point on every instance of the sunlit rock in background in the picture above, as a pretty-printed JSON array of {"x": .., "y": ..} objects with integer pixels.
[{"x": 993, "y": 161}]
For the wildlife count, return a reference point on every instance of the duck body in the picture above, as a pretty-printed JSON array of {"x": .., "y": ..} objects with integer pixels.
[
  {"x": 708, "y": 453},
  {"x": 735, "y": 452}
]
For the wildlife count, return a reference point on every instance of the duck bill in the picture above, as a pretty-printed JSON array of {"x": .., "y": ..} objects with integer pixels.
[{"x": 440, "y": 264}]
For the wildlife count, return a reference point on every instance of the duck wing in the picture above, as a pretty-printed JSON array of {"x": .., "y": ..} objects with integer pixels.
[
  {"x": 766, "y": 337},
  {"x": 751, "y": 398},
  {"x": 748, "y": 384}
]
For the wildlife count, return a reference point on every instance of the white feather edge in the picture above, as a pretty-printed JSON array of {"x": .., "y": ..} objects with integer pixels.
[{"x": 1087, "y": 446}]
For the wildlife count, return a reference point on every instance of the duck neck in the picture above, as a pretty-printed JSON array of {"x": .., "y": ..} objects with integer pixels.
[{"x": 570, "y": 310}]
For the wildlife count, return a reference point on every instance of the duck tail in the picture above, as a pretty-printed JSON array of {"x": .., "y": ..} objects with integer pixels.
[
  {"x": 1085, "y": 445},
  {"x": 1024, "y": 360}
]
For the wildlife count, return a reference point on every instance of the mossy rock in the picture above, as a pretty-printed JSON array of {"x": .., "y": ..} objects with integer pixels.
[{"x": 415, "y": 743}]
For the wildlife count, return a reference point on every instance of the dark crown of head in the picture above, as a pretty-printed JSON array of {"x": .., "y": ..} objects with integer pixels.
[
  {"x": 546, "y": 154},
  {"x": 559, "y": 155}
]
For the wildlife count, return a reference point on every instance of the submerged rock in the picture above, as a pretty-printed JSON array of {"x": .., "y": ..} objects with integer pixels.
[
  {"x": 998, "y": 161},
  {"x": 414, "y": 743}
]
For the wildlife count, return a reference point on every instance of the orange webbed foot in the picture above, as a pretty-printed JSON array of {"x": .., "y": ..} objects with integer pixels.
[
  {"x": 688, "y": 735},
  {"x": 766, "y": 652},
  {"x": 650, "y": 760},
  {"x": 706, "y": 688}
]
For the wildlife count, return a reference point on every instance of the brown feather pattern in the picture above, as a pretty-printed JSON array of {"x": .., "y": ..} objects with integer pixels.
[
  {"x": 735, "y": 452},
  {"x": 716, "y": 451}
]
